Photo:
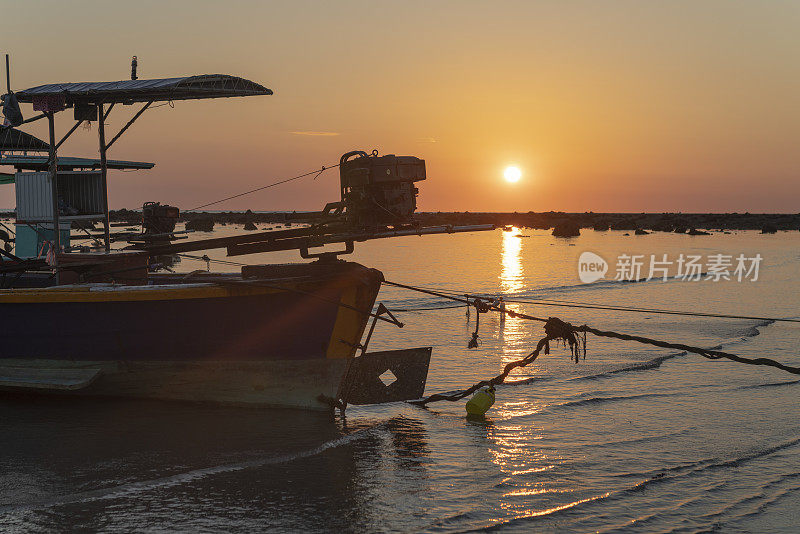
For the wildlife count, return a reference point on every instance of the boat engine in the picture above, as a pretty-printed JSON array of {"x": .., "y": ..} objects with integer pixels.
[
  {"x": 158, "y": 218},
  {"x": 377, "y": 190}
]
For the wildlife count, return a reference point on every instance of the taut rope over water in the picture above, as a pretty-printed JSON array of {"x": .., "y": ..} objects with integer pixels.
[
  {"x": 572, "y": 337},
  {"x": 558, "y": 330}
]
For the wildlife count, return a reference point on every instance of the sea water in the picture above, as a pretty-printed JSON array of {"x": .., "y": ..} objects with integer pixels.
[{"x": 632, "y": 438}]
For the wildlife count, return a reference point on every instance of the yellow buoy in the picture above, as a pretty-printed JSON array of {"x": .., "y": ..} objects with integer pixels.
[{"x": 480, "y": 403}]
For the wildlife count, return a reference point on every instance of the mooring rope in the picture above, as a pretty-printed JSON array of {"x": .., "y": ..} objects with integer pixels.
[
  {"x": 558, "y": 330},
  {"x": 707, "y": 353},
  {"x": 467, "y": 298},
  {"x": 590, "y": 306},
  {"x": 544, "y": 344},
  {"x": 315, "y": 172},
  {"x": 419, "y": 310},
  {"x": 574, "y": 337},
  {"x": 262, "y": 283}
]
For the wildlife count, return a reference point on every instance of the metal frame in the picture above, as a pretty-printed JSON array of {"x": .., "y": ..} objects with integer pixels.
[
  {"x": 126, "y": 92},
  {"x": 54, "y": 188},
  {"x": 58, "y": 97},
  {"x": 101, "y": 135},
  {"x": 103, "y": 146},
  {"x": 300, "y": 238},
  {"x": 162, "y": 89}
]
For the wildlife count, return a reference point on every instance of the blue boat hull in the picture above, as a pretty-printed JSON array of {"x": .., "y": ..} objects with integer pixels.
[
  {"x": 254, "y": 327},
  {"x": 282, "y": 342}
]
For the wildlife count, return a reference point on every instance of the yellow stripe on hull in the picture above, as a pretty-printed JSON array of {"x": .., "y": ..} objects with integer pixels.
[{"x": 117, "y": 293}]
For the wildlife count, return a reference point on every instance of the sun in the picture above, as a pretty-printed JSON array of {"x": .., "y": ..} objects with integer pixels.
[{"x": 512, "y": 174}]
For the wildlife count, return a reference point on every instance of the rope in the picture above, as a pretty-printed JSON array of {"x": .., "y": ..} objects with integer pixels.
[
  {"x": 235, "y": 283},
  {"x": 418, "y": 310},
  {"x": 555, "y": 332},
  {"x": 558, "y": 330},
  {"x": 466, "y": 301},
  {"x": 316, "y": 172},
  {"x": 207, "y": 259},
  {"x": 707, "y": 353},
  {"x": 290, "y": 289},
  {"x": 565, "y": 304},
  {"x": 448, "y": 294},
  {"x": 575, "y": 338}
]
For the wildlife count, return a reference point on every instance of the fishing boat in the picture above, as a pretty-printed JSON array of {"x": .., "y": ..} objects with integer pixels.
[{"x": 97, "y": 321}]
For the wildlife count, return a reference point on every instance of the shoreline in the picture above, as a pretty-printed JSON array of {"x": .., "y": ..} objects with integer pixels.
[
  {"x": 665, "y": 222},
  {"x": 661, "y": 222}
]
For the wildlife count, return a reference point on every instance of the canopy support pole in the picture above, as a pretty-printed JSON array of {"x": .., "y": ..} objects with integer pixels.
[
  {"x": 101, "y": 130},
  {"x": 77, "y": 123},
  {"x": 122, "y": 131},
  {"x": 54, "y": 191},
  {"x": 26, "y": 121}
]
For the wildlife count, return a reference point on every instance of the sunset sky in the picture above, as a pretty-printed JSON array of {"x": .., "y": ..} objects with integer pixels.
[{"x": 604, "y": 106}]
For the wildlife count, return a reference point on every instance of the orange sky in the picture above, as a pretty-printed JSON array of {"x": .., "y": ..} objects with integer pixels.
[{"x": 605, "y": 106}]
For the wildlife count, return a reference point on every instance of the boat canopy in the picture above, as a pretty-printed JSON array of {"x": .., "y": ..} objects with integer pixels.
[
  {"x": 157, "y": 90},
  {"x": 13, "y": 139},
  {"x": 93, "y": 101},
  {"x": 41, "y": 163}
]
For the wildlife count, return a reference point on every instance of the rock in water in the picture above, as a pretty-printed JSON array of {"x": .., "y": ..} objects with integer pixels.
[
  {"x": 769, "y": 229},
  {"x": 662, "y": 227},
  {"x": 566, "y": 229},
  {"x": 695, "y": 231},
  {"x": 639, "y": 231},
  {"x": 200, "y": 225},
  {"x": 250, "y": 226}
]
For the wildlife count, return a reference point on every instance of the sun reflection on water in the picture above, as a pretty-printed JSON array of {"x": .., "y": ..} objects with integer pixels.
[
  {"x": 514, "y": 447},
  {"x": 525, "y": 493},
  {"x": 511, "y": 271},
  {"x": 512, "y": 280}
]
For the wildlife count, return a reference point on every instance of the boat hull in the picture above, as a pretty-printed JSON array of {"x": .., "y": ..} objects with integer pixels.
[
  {"x": 279, "y": 383},
  {"x": 282, "y": 341}
]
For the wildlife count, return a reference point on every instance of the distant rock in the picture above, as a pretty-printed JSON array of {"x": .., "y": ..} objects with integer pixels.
[
  {"x": 625, "y": 222},
  {"x": 662, "y": 227},
  {"x": 695, "y": 231},
  {"x": 201, "y": 224},
  {"x": 639, "y": 231},
  {"x": 566, "y": 229},
  {"x": 769, "y": 229},
  {"x": 250, "y": 226}
]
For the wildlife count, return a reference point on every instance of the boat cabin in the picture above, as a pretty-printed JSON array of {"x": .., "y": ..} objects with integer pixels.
[
  {"x": 52, "y": 192},
  {"x": 80, "y": 198}
]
